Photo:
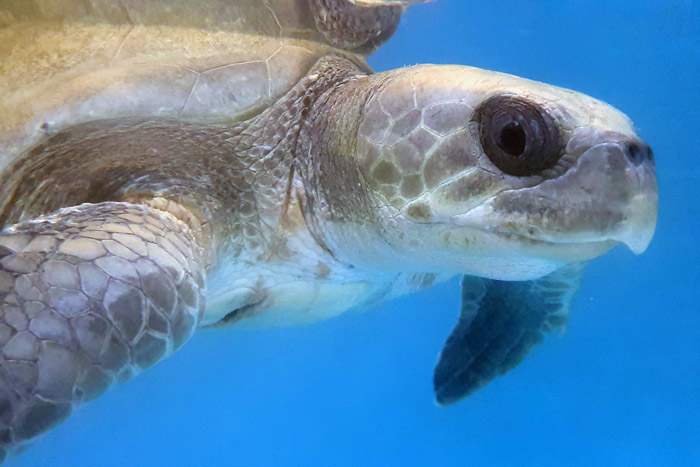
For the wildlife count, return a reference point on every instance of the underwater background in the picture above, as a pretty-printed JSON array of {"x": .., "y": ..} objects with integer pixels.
[{"x": 620, "y": 388}]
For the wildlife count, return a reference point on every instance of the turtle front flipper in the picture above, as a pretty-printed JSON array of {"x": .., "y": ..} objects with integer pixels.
[
  {"x": 499, "y": 324},
  {"x": 89, "y": 296}
]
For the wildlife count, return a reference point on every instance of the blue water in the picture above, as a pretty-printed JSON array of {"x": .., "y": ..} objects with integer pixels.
[{"x": 622, "y": 387}]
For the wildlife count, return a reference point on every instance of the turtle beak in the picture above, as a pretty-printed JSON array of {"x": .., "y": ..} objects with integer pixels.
[
  {"x": 638, "y": 229},
  {"x": 637, "y": 241},
  {"x": 641, "y": 210}
]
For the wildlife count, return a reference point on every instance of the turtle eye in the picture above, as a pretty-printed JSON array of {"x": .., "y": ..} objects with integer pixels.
[{"x": 518, "y": 136}]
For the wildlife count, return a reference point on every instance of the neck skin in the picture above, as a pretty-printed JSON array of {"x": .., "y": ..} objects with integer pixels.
[{"x": 341, "y": 210}]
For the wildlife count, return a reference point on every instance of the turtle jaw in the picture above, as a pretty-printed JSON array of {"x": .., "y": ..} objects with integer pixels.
[
  {"x": 527, "y": 234},
  {"x": 637, "y": 240},
  {"x": 506, "y": 255},
  {"x": 638, "y": 230},
  {"x": 606, "y": 198}
]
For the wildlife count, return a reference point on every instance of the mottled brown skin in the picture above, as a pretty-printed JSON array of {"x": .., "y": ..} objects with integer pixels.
[
  {"x": 269, "y": 171},
  {"x": 96, "y": 293}
]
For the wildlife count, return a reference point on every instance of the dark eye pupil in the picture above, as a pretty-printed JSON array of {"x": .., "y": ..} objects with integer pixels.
[{"x": 512, "y": 139}]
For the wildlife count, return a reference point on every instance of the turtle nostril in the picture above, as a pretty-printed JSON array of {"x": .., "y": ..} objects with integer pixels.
[
  {"x": 638, "y": 152},
  {"x": 650, "y": 154}
]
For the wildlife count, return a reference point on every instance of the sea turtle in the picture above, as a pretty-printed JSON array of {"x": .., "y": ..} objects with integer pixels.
[{"x": 170, "y": 165}]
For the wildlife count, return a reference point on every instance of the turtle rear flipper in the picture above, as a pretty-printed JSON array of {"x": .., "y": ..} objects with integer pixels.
[
  {"x": 360, "y": 26},
  {"x": 89, "y": 296},
  {"x": 499, "y": 324}
]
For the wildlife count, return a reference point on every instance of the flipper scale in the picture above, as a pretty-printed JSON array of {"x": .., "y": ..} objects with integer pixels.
[{"x": 86, "y": 302}]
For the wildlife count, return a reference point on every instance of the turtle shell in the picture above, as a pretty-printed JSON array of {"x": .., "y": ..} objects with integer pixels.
[{"x": 66, "y": 62}]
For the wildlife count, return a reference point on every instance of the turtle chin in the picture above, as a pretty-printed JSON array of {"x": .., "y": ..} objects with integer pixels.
[{"x": 508, "y": 255}]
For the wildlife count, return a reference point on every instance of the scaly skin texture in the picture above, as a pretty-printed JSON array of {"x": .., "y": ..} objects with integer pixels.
[
  {"x": 312, "y": 192},
  {"x": 236, "y": 177},
  {"x": 352, "y": 27},
  {"x": 95, "y": 293},
  {"x": 422, "y": 192},
  {"x": 285, "y": 189},
  {"x": 89, "y": 296}
]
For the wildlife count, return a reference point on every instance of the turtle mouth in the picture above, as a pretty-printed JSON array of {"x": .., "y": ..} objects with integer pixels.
[
  {"x": 589, "y": 230},
  {"x": 567, "y": 249},
  {"x": 529, "y": 238},
  {"x": 503, "y": 254},
  {"x": 635, "y": 231}
]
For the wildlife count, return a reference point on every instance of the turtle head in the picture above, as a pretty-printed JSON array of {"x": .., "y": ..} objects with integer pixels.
[{"x": 489, "y": 174}]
